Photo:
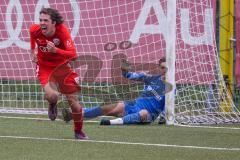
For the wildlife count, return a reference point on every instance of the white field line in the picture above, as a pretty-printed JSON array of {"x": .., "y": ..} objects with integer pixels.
[
  {"x": 124, "y": 143},
  {"x": 92, "y": 121}
]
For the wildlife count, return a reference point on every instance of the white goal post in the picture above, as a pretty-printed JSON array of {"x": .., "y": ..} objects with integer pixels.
[
  {"x": 107, "y": 31},
  {"x": 171, "y": 58}
]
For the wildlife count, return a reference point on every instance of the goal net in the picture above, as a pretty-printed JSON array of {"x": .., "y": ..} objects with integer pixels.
[{"x": 106, "y": 32}]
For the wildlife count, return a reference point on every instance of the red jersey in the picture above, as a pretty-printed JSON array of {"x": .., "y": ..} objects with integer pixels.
[{"x": 65, "y": 48}]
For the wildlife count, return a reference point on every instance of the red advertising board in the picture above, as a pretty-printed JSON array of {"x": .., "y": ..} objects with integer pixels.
[{"x": 102, "y": 31}]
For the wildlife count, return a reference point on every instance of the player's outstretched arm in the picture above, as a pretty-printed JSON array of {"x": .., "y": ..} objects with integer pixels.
[
  {"x": 33, "y": 52},
  {"x": 126, "y": 67},
  {"x": 33, "y": 55}
]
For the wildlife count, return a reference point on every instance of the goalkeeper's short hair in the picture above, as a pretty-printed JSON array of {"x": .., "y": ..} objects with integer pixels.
[{"x": 161, "y": 60}]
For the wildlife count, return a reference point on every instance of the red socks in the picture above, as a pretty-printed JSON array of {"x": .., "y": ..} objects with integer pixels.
[{"x": 78, "y": 121}]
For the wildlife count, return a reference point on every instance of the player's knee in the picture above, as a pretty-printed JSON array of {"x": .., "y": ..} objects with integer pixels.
[
  {"x": 73, "y": 103},
  {"x": 71, "y": 99},
  {"x": 51, "y": 97},
  {"x": 144, "y": 115},
  {"x": 116, "y": 109},
  {"x": 143, "y": 112}
]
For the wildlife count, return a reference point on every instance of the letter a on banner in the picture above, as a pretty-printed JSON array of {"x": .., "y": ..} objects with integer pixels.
[{"x": 141, "y": 27}]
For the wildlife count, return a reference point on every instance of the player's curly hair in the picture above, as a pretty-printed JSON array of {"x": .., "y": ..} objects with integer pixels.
[
  {"x": 161, "y": 60},
  {"x": 53, "y": 13}
]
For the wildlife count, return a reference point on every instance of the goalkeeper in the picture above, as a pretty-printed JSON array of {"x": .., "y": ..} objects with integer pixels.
[{"x": 144, "y": 109}]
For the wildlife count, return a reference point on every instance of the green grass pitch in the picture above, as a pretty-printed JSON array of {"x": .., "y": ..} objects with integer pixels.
[{"x": 25, "y": 139}]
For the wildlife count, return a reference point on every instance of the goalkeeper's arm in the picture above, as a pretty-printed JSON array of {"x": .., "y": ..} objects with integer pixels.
[{"x": 125, "y": 67}]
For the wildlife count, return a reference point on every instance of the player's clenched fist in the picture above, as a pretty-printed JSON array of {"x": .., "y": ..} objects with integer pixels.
[{"x": 51, "y": 47}]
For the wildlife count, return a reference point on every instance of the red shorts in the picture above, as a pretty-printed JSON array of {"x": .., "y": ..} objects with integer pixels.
[{"x": 64, "y": 77}]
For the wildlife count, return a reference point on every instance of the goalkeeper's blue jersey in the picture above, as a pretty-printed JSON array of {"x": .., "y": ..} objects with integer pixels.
[{"x": 152, "y": 97}]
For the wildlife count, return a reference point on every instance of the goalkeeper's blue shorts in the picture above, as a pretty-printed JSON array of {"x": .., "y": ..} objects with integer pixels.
[{"x": 151, "y": 104}]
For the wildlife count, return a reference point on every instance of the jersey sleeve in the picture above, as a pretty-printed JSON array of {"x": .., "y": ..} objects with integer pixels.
[
  {"x": 32, "y": 30},
  {"x": 135, "y": 76},
  {"x": 70, "y": 51}
]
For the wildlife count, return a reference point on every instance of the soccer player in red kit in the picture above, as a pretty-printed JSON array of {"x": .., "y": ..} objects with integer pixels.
[{"x": 55, "y": 48}]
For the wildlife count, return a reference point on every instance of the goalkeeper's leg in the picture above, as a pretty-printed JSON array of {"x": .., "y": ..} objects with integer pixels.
[
  {"x": 108, "y": 110},
  {"x": 140, "y": 117},
  {"x": 87, "y": 112}
]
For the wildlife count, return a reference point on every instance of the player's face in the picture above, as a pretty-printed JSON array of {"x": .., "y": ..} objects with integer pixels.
[
  {"x": 163, "y": 68},
  {"x": 47, "y": 25}
]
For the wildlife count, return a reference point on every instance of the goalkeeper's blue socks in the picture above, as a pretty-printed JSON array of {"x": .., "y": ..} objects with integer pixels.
[{"x": 92, "y": 112}]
